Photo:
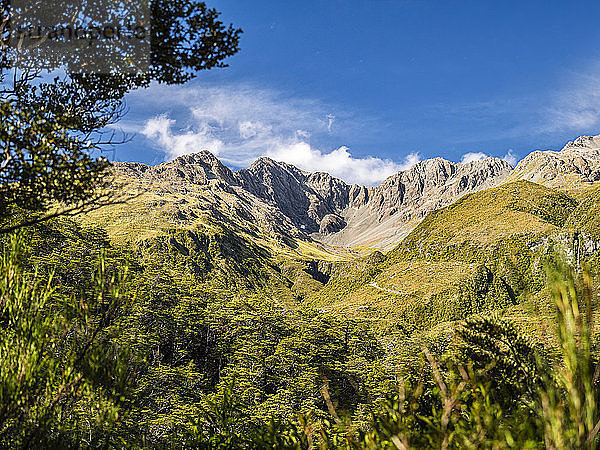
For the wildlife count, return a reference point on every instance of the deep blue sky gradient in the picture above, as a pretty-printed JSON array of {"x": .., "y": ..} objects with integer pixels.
[{"x": 441, "y": 78}]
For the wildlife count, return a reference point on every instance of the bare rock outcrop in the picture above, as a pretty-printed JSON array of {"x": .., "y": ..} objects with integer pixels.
[
  {"x": 306, "y": 198},
  {"x": 332, "y": 223},
  {"x": 578, "y": 162},
  {"x": 383, "y": 215},
  {"x": 284, "y": 199},
  {"x": 197, "y": 168}
]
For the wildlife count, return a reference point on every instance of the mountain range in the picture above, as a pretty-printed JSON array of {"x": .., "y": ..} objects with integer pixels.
[
  {"x": 285, "y": 202},
  {"x": 410, "y": 259}
]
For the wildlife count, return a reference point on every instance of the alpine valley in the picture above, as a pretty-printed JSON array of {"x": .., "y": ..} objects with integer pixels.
[
  {"x": 428, "y": 247},
  {"x": 270, "y": 296}
]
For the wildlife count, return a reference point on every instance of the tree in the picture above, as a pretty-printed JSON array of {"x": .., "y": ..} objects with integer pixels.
[
  {"x": 54, "y": 115},
  {"x": 63, "y": 375},
  {"x": 509, "y": 358}
]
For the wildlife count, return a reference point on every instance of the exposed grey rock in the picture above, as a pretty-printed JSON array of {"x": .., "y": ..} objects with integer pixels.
[
  {"x": 385, "y": 214},
  {"x": 197, "y": 168},
  {"x": 577, "y": 162},
  {"x": 331, "y": 223},
  {"x": 283, "y": 199},
  {"x": 306, "y": 198}
]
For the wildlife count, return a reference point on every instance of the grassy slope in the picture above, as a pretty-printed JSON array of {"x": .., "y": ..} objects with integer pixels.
[
  {"x": 586, "y": 217},
  {"x": 486, "y": 217},
  {"x": 199, "y": 233},
  {"x": 485, "y": 252},
  {"x": 155, "y": 207}
]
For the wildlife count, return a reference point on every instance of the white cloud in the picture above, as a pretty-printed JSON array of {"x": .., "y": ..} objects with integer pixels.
[
  {"x": 242, "y": 123},
  {"x": 331, "y": 119},
  {"x": 303, "y": 134},
  {"x": 340, "y": 163},
  {"x": 249, "y": 129},
  {"x": 159, "y": 129},
  {"x": 510, "y": 158},
  {"x": 576, "y": 106},
  {"x": 472, "y": 156}
]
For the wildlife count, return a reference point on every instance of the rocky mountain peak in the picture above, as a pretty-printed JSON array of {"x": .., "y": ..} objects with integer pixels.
[
  {"x": 490, "y": 161},
  {"x": 577, "y": 162},
  {"x": 199, "y": 168},
  {"x": 440, "y": 175},
  {"x": 265, "y": 164},
  {"x": 583, "y": 142},
  {"x": 386, "y": 213},
  {"x": 303, "y": 197},
  {"x": 286, "y": 198},
  {"x": 196, "y": 168}
]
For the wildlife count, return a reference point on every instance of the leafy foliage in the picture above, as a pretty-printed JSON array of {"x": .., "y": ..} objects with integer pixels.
[
  {"x": 188, "y": 363},
  {"x": 494, "y": 345},
  {"x": 54, "y": 127},
  {"x": 61, "y": 375}
]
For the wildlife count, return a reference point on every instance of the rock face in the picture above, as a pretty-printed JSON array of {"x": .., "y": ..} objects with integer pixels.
[
  {"x": 331, "y": 223},
  {"x": 577, "y": 162},
  {"x": 339, "y": 214},
  {"x": 198, "y": 168},
  {"x": 306, "y": 198},
  {"x": 286, "y": 200},
  {"x": 385, "y": 214}
]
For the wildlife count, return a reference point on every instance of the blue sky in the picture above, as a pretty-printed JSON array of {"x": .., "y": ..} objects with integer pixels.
[{"x": 365, "y": 88}]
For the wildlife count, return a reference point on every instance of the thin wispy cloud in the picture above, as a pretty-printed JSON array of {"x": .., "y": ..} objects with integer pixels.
[
  {"x": 331, "y": 119},
  {"x": 511, "y": 158},
  {"x": 576, "y": 106},
  {"x": 241, "y": 123},
  {"x": 570, "y": 107}
]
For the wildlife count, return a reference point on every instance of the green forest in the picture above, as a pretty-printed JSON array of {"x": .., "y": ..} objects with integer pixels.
[{"x": 177, "y": 343}]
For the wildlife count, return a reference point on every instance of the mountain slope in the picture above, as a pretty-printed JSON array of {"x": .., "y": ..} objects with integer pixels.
[
  {"x": 494, "y": 214},
  {"x": 486, "y": 252},
  {"x": 578, "y": 162},
  {"x": 383, "y": 215},
  {"x": 305, "y": 198},
  {"x": 469, "y": 238},
  {"x": 282, "y": 201},
  {"x": 279, "y": 202}
]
